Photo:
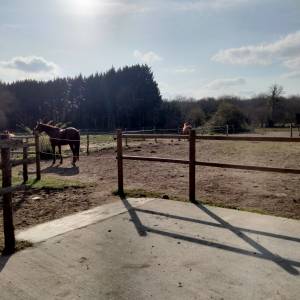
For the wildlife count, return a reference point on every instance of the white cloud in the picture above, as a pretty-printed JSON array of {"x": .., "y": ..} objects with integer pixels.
[
  {"x": 291, "y": 75},
  {"x": 8, "y": 26},
  {"x": 285, "y": 50},
  {"x": 184, "y": 70},
  {"x": 103, "y": 7},
  {"x": 200, "y": 5},
  {"x": 293, "y": 63},
  {"x": 249, "y": 55},
  {"x": 30, "y": 64},
  {"x": 148, "y": 57},
  {"x": 127, "y": 7},
  {"x": 224, "y": 83},
  {"x": 240, "y": 87},
  {"x": 23, "y": 67}
]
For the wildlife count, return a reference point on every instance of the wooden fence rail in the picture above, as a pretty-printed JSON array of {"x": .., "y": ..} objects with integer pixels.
[
  {"x": 192, "y": 159},
  {"x": 18, "y": 137},
  {"x": 214, "y": 137}
]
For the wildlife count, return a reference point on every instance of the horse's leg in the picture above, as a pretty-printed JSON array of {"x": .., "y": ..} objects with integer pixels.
[
  {"x": 61, "y": 158},
  {"x": 72, "y": 146},
  {"x": 53, "y": 151},
  {"x": 77, "y": 149}
]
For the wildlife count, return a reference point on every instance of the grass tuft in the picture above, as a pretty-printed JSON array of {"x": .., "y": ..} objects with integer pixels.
[
  {"x": 141, "y": 193},
  {"x": 20, "y": 245},
  {"x": 52, "y": 183}
]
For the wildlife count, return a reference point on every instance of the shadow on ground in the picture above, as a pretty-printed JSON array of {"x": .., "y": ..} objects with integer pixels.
[
  {"x": 63, "y": 171},
  {"x": 259, "y": 252},
  {"x": 3, "y": 261}
]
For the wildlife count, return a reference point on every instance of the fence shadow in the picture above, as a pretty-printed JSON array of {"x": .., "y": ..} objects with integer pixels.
[
  {"x": 3, "y": 261},
  {"x": 63, "y": 171},
  {"x": 285, "y": 264},
  {"x": 217, "y": 225},
  {"x": 259, "y": 251},
  {"x": 140, "y": 228},
  {"x": 18, "y": 204}
]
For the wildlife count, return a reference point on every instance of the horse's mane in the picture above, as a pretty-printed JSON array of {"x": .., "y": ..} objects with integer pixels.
[{"x": 50, "y": 126}]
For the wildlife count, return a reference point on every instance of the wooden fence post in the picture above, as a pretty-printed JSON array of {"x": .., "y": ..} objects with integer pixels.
[
  {"x": 9, "y": 232},
  {"x": 88, "y": 144},
  {"x": 227, "y": 129},
  {"x": 192, "y": 166},
  {"x": 126, "y": 140},
  {"x": 120, "y": 162},
  {"x": 25, "y": 163},
  {"x": 37, "y": 156},
  {"x": 291, "y": 130},
  {"x": 154, "y": 131},
  {"x": 144, "y": 133}
]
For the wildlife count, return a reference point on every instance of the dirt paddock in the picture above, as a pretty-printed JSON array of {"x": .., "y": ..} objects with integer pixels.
[{"x": 270, "y": 193}]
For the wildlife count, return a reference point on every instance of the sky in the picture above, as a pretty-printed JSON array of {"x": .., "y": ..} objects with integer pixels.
[{"x": 195, "y": 48}]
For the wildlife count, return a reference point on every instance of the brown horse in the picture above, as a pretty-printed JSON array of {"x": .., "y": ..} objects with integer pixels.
[
  {"x": 186, "y": 128},
  {"x": 58, "y": 137}
]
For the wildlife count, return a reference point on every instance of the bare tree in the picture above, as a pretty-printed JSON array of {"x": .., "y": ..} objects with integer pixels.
[{"x": 275, "y": 91}]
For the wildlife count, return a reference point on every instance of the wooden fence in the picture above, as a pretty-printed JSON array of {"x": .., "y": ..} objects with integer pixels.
[
  {"x": 8, "y": 143},
  {"x": 192, "y": 156},
  {"x": 296, "y": 126}
]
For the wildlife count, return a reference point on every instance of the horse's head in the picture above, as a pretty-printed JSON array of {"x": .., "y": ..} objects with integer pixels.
[
  {"x": 38, "y": 127},
  {"x": 186, "y": 128},
  {"x": 7, "y": 132},
  {"x": 187, "y": 125}
]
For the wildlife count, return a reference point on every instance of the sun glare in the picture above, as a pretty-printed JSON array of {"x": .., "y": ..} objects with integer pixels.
[{"x": 85, "y": 7}]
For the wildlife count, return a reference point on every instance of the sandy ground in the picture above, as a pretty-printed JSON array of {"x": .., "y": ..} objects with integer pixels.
[{"x": 271, "y": 193}]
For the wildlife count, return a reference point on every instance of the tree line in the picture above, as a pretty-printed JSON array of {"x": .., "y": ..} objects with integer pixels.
[
  {"x": 270, "y": 109},
  {"x": 129, "y": 98}
]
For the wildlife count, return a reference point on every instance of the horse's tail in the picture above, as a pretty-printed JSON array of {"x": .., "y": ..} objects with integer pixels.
[{"x": 77, "y": 148}]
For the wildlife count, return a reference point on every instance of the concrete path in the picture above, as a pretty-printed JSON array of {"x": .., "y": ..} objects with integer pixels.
[
  {"x": 162, "y": 250},
  {"x": 45, "y": 231}
]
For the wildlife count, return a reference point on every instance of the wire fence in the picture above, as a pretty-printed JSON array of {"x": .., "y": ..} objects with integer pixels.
[
  {"x": 227, "y": 129},
  {"x": 89, "y": 142},
  {"x": 16, "y": 152},
  {"x": 95, "y": 140}
]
